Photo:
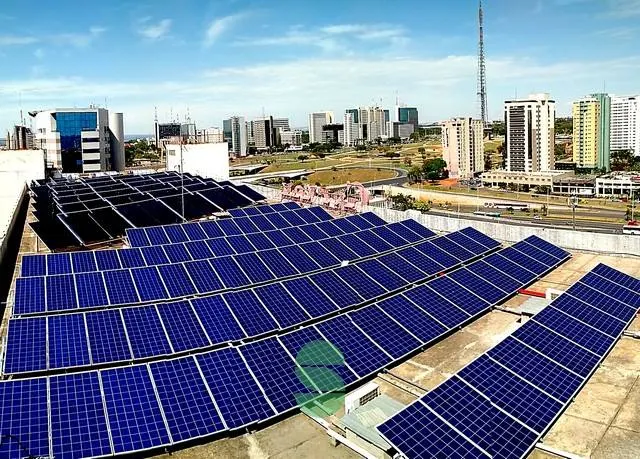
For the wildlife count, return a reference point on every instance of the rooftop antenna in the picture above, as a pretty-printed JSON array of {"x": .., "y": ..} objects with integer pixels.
[{"x": 482, "y": 71}]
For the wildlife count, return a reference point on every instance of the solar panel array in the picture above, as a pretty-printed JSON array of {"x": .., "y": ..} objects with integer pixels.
[
  {"x": 502, "y": 403},
  {"x": 133, "y": 408},
  {"x": 214, "y": 320},
  {"x": 89, "y": 210}
]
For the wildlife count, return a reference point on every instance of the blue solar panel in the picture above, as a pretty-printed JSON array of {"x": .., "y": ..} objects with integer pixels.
[
  {"x": 589, "y": 315},
  {"x": 24, "y": 413},
  {"x": 78, "y": 422},
  {"x": 299, "y": 258},
  {"x": 281, "y": 305},
  {"x": 260, "y": 241},
  {"x": 412, "y": 256},
  {"x": 537, "y": 369},
  {"x": 458, "y": 295},
  {"x": 212, "y": 229},
  {"x": 359, "y": 281},
  {"x": 253, "y": 266},
  {"x": 436, "y": 306},
  {"x": 83, "y": 262},
  {"x": 338, "y": 249},
  {"x": 137, "y": 237},
  {"x": 506, "y": 390},
  {"x": 278, "y": 374},
  {"x": 148, "y": 284},
  {"x": 194, "y": 231},
  {"x": 554, "y": 250},
  {"x": 29, "y": 296},
  {"x": 345, "y": 225},
  {"x": 622, "y": 294},
  {"x": 524, "y": 261},
  {"x": 241, "y": 244},
  {"x": 277, "y": 220},
  {"x": 277, "y": 263},
  {"x": 390, "y": 336},
  {"x": 131, "y": 258},
  {"x": 288, "y": 205},
  {"x": 373, "y": 219},
  {"x": 120, "y": 287},
  {"x": 61, "y": 293},
  {"x": 383, "y": 275},
  {"x": 322, "y": 362},
  {"x": 404, "y": 232},
  {"x": 375, "y": 241},
  {"x": 238, "y": 396},
  {"x": 313, "y": 232},
  {"x": 469, "y": 244},
  {"x": 177, "y": 280},
  {"x": 91, "y": 290},
  {"x": 34, "y": 265},
  {"x": 58, "y": 263},
  {"x": 433, "y": 250},
  {"x": 157, "y": 235},
  {"x": 320, "y": 213},
  {"x": 26, "y": 348},
  {"x": 176, "y": 233},
  {"x": 250, "y": 312},
  {"x": 482, "y": 238},
  {"x": 145, "y": 332},
  {"x": 217, "y": 319},
  {"x": 357, "y": 245},
  {"x": 335, "y": 288},
  {"x": 360, "y": 353},
  {"x": 319, "y": 254},
  {"x": 361, "y": 222},
  {"x": 278, "y": 238},
  {"x": 177, "y": 253},
  {"x": 310, "y": 297},
  {"x": 229, "y": 272},
  {"x": 537, "y": 254},
  {"x": 617, "y": 277},
  {"x": 183, "y": 328},
  {"x": 235, "y": 213},
  {"x": 199, "y": 250},
  {"x": 417, "y": 432},
  {"x": 107, "y": 338},
  {"x": 305, "y": 214},
  {"x": 601, "y": 301},
  {"x": 229, "y": 227},
  {"x": 185, "y": 400},
  {"x": 476, "y": 418},
  {"x": 448, "y": 245},
  {"x": 220, "y": 247},
  {"x": 390, "y": 237},
  {"x": 557, "y": 348},
  {"x": 262, "y": 223},
  {"x": 417, "y": 228},
  {"x": 510, "y": 268},
  {"x": 135, "y": 419},
  {"x": 107, "y": 259},
  {"x": 154, "y": 255},
  {"x": 423, "y": 326},
  {"x": 296, "y": 235},
  {"x": 246, "y": 225},
  {"x": 574, "y": 330},
  {"x": 330, "y": 228},
  {"x": 495, "y": 277},
  {"x": 402, "y": 267},
  {"x": 67, "y": 341},
  {"x": 203, "y": 276},
  {"x": 485, "y": 290}
]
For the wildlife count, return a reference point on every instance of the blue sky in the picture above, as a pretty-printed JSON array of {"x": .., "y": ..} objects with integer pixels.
[{"x": 222, "y": 57}]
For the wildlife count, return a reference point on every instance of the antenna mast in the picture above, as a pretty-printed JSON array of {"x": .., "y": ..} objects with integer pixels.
[{"x": 482, "y": 75}]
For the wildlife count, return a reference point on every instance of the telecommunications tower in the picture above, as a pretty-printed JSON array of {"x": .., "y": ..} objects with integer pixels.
[{"x": 482, "y": 71}]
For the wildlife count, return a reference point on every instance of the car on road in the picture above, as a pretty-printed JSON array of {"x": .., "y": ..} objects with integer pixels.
[{"x": 537, "y": 217}]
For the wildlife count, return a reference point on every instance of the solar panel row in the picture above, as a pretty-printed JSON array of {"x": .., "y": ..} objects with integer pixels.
[
  {"x": 502, "y": 403},
  {"x": 145, "y": 406}
]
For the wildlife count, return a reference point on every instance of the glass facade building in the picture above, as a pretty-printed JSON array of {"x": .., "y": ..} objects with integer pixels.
[{"x": 70, "y": 126}]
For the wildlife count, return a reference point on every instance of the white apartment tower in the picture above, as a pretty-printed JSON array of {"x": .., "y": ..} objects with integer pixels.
[
  {"x": 463, "y": 147},
  {"x": 316, "y": 121},
  {"x": 625, "y": 123},
  {"x": 350, "y": 130},
  {"x": 530, "y": 137},
  {"x": 239, "y": 138}
]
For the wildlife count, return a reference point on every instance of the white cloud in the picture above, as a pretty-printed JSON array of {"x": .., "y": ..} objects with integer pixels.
[
  {"x": 14, "y": 40},
  {"x": 219, "y": 26},
  {"x": 155, "y": 31},
  {"x": 78, "y": 40},
  {"x": 624, "y": 8}
]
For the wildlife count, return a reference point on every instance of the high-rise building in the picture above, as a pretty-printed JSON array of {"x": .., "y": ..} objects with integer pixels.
[
  {"x": 316, "y": 121},
  {"x": 291, "y": 138},
  {"x": 591, "y": 132},
  {"x": 463, "y": 147},
  {"x": 351, "y": 129},
  {"x": 19, "y": 138},
  {"x": 281, "y": 123},
  {"x": 372, "y": 123},
  {"x": 530, "y": 139},
  {"x": 333, "y": 133},
  {"x": 226, "y": 131},
  {"x": 78, "y": 140},
  {"x": 210, "y": 135},
  {"x": 407, "y": 115},
  {"x": 355, "y": 114},
  {"x": 265, "y": 135},
  {"x": 400, "y": 130},
  {"x": 625, "y": 124},
  {"x": 239, "y": 138}
]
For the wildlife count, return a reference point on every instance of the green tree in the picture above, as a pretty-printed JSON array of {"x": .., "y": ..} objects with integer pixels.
[
  {"x": 564, "y": 126},
  {"x": 402, "y": 201},
  {"x": 302, "y": 158},
  {"x": 415, "y": 174},
  {"x": 435, "y": 169},
  {"x": 622, "y": 160}
]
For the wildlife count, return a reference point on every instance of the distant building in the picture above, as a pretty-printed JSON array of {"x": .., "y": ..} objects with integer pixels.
[
  {"x": 79, "y": 140},
  {"x": 316, "y": 121},
  {"x": 407, "y": 115},
  {"x": 463, "y": 147},
  {"x": 281, "y": 123},
  {"x": 19, "y": 138},
  {"x": 239, "y": 138},
  {"x": 618, "y": 184},
  {"x": 210, "y": 135},
  {"x": 591, "y": 132},
  {"x": 165, "y": 132},
  {"x": 400, "y": 130},
  {"x": 501, "y": 178},
  {"x": 530, "y": 139},
  {"x": 333, "y": 133},
  {"x": 625, "y": 123},
  {"x": 264, "y": 134},
  {"x": 351, "y": 130},
  {"x": 291, "y": 138},
  {"x": 226, "y": 131},
  {"x": 355, "y": 114}
]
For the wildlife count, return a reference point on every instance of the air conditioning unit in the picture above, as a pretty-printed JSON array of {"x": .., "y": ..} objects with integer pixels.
[{"x": 360, "y": 396}]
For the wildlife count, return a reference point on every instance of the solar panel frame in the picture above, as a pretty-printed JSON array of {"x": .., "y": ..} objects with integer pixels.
[
  {"x": 282, "y": 306},
  {"x": 107, "y": 260},
  {"x": 26, "y": 346},
  {"x": 252, "y": 315},
  {"x": 157, "y": 235},
  {"x": 33, "y": 265},
  {"x": 342, "y": 294},
  {"x": 149, "y": 284},
  {"x": 137, "y": 237},
  {"x": 91, "y": 290},
  {"x": 145, "y": 332},
  {"x": 61, "y": 292},
  {"x": 217, "y": 320},
  {"x": 120, "y": 287},
  {"x": 357, "y": 245},
  {"x": 177, "y": 253},
  {"x": 310, "y": 297},
  {"x": 131, "y": 258},
  {"x": 230, "y": 273},
  {"x": 278, "y": 263},
  {"x": 58, "y": 263},
  {"x": 29, "y": 296},
  {"x": 83, "y": 262},
  {"x": 108, "y": 341},
  {"x": 319, "y": 254},
  {"x": 414, "y": 319}
]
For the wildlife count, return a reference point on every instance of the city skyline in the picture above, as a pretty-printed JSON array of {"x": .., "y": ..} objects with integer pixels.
[{"x": 240, "y": 58}]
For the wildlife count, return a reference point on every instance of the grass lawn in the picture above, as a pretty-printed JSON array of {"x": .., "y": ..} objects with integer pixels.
[{"x": 342, "y": 176}]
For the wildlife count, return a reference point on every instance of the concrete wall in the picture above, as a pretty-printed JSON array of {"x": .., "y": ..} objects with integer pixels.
[{"x": 205, "y": 159}]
